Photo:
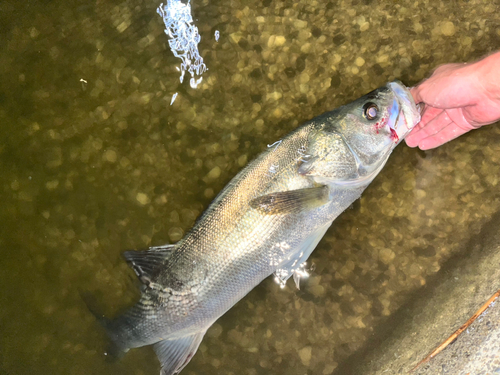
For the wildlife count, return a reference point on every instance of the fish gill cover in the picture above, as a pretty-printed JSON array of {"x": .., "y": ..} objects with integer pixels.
[{"x": 183, "y": 39}]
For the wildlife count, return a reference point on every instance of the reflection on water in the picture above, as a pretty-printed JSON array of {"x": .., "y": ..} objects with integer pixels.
[{"x": 90, "y": 169}]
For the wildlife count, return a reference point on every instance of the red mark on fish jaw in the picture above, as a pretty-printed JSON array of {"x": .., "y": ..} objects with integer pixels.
[
  {"x": 394, "y": 136},
  {"x": 380, "y": 124}
]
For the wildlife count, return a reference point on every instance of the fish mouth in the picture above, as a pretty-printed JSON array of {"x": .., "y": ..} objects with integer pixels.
[{"x": 405, "y": 114}]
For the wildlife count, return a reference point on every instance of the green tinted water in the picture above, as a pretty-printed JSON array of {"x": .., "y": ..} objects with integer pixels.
[{"x": 91, "y": 169}]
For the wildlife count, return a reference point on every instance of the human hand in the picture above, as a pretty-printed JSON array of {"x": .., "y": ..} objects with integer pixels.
[{"x": 457, "y": 98}]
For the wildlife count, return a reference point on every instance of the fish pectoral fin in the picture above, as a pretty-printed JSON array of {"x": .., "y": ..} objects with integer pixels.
[
  {"x": 292, "y": 201},
  {"x": 145, "y": 262},
  {"x": 174, "y": 355}
]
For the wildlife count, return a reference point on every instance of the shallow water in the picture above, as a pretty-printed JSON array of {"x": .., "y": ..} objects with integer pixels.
[{"x": 91, "y": 169}]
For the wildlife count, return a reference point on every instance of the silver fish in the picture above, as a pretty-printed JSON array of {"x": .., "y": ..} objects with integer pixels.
[{"x": 267, "y": 220}]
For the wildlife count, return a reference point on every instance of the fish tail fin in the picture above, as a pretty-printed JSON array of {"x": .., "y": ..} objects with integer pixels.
[
  {"x": 174, "y": 355},
  {"x": 114, "y": 350}
]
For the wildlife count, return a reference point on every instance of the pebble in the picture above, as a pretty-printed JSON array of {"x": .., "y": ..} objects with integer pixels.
[
  {"x": 278, "y": 112},
  {"x": 448, "y": 28},
  {"x": 329, "y": 369},
  {"x": 214, "y": 173},
  {"x": 97, "y": 144},
  {"x": 317, "y": 290},
  {"x": 280, "y": 40},
  {"x": 299, "y": 24},
  {"x": 209, "y": 192},
  {"x": 33, "y": 32},
  {"x": 235, "y": 37},
  {"x": 305, "y": 48},
  {"x": 386, "y": 255},
  {"x": 51, "y": 185},
  {"x": 303, "y": 35},
  {"x": 256, "y": 107},
  {"x": 304, "y": 78},
  {"x": 142, "y": 198},
  {"x": 365, "y": 26},
  {"x": 274, "y": 96},
  {"x": 123, "y": 26},
  {"x": 215, "y": 331},
  {"x": 305, "y": 355},
  {"x": 270, "y": 41},
  {"x": 360, "y": 61},
  {"x": 409, "y": 184},
  {"x": 175, "y": 234},
  {"x": 467, "y": 41},
  {"x": 419, "y": 193},
  {"x": 237, "y": 78},
  {"x": 242, "y": 160},
  {"x": 382, "y": 58},
  {"x": 414, "y": 270},
  {"x": 110, "y": 155},
  {"x": 304, "y": 88},
  {"x": 124, "y": 162}
]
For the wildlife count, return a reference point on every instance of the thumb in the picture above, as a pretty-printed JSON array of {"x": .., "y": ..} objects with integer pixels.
[{"x": 415, "y": 92}]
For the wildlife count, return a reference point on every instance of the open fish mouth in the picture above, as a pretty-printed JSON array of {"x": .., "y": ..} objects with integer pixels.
[{"x": 405, "y": 114}]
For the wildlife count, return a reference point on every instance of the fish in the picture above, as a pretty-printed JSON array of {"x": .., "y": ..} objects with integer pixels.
[{"x": 267, "y": 220}]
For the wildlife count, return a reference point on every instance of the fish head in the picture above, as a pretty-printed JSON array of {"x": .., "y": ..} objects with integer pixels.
[{"x": 350, "y": 145}]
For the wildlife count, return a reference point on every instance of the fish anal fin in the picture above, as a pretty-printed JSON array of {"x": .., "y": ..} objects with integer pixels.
[
  {"x": 145, "y": 262},
  {"x": 292, "y": 201},
  {"x": 174, "y": 355}
]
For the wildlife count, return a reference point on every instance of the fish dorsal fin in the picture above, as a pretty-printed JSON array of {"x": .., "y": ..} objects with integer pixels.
[
  {"x": 292, "y": 201},
  {"x": 145, "y": 262},
  {"x": 174, "y": 355}
]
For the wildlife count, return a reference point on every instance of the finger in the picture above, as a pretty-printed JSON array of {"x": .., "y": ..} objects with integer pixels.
[
  {"x": 410, "y": 143},
  {"x": 428, "y": 127},
  {"x": 429, "y": 113},
  {"x": 445, "y": 135},
  {"x": 420, "y": 131},
  {"x": 415, "y": 92}
]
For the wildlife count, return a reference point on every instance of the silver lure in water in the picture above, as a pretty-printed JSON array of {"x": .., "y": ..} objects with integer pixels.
[{"x": 267, "y": 220}]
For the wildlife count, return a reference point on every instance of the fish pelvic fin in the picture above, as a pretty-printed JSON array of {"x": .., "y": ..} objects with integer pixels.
[
  {"x": 292, "y": 201},
  {"x": 295, "y": 264},
  {"x": 174, "y": 355},
  {"x": 144, "y": 263}
]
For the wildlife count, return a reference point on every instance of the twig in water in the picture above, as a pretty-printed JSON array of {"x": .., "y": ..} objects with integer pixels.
[{"x": 455, "y": 334}]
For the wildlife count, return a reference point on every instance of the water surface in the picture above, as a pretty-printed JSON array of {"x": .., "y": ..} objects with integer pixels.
[{"x": 95, "y": 161}]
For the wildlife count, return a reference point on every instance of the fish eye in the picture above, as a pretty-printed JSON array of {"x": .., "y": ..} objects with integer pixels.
[{"x": 370, "y": 111}]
